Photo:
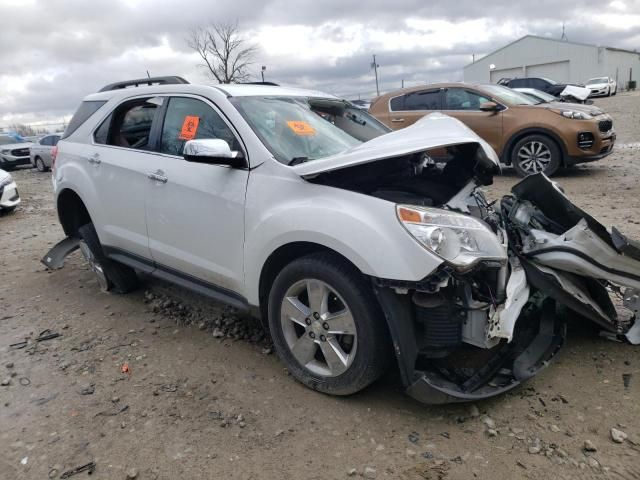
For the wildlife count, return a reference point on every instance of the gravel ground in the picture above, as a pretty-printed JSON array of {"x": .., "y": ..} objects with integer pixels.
[{"x": 164, "y": 384}]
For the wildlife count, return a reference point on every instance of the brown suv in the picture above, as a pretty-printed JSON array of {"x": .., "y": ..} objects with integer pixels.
[{"x": 530, "y": 135}]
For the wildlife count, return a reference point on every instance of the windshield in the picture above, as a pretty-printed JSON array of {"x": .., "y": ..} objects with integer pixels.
[
  {"x": 300, "y": 129},
  {"x": 8, "y": 139},
  {"x": 508, "y": 96},
  {"x": 598, "y": 80},
  {"x": 538, "y": 95}
]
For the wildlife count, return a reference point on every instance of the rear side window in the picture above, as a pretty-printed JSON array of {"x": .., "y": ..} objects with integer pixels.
[
  {"x": 83, "y": 113},
  {"x": 425, "y": 100},
  {"x": 46, "y": 141},
  {"x": 129, "y": 125},
  {"x": 518, "y": 83},
  {"x": 397, "y": 103}
]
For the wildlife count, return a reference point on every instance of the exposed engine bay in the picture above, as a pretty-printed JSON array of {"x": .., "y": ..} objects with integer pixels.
[{"x": 474, "y": 331}]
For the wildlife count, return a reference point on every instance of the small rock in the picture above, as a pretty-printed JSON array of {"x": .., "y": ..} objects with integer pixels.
[
  {"x": 279, "y": 433},
  {"x": 9, "y": 365},
  {"x": 535, "y": 447},
  {"x": 352, "y": 472},
  {"x": 589, "y": 446},
  {"x": 618, "y": 436},
  {"x": 132, "y": 473},
  {"x": 593, "y": 463},
  {"x": 202, "y": 326},
  {"x": 489, "y": 423},
  {"x": 473, "y": 411},
  {"x": 115, "y": 399},
  {"x": 6, "y": 382},
  {"x": 411, "y": 453},
  {"x": 554, "y": 428},
  {"x": 242, "y": 424},
  {"x": 492, "y": 432},
  {"x": 217, "y": 333},
  {"x": 369, "y": 472}
]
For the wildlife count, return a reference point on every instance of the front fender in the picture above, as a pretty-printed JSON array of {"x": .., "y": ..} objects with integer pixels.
[{"x": 363, "y": 229}]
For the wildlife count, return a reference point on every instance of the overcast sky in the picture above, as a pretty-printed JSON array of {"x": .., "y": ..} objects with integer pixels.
[{"x": 53, "y": 52}]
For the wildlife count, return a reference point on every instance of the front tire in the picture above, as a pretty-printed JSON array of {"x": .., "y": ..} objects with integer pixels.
[
  {"x": 327, "y": 326},
  {"x": 535, "y": 154},
  {"x": 112, "y": 276}
]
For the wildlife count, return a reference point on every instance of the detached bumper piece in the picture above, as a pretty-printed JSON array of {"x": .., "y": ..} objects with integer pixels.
[
  {"x": 509, "y": 366},
  {"x": 54, "y": 259}
]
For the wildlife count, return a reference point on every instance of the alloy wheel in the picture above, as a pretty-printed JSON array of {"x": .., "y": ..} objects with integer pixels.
[
  {"x": 40, "y": 164},
  {"x": 318, "y": 327},
  {"x": 534, "y": 157},
  {"x": 95, "y": 266}
]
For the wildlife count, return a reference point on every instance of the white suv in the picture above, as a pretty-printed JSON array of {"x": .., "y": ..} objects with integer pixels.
[{"x": 356, "y": 243}]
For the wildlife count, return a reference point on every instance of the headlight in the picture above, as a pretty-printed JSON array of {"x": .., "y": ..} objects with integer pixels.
[
  {"x": 575, "y": 115},
  {"x": 460, "y": 239},
  {"x": 6, "y": 151}
]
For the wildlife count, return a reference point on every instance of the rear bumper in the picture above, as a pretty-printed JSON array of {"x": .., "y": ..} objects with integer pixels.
[{"x": 9, "y": 196}]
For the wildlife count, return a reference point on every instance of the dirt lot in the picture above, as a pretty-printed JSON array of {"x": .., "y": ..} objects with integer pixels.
[{"x": 205, "y": 398}]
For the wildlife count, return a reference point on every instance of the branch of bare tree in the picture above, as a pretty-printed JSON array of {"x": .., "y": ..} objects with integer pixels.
[{"x": 225, "y": 53}]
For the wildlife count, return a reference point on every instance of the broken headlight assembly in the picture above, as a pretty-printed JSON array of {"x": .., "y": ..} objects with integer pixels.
[{"x": 459, "y": 239}]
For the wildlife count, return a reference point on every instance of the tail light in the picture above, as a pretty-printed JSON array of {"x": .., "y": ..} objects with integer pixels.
[{"x": 54, "y": 154}]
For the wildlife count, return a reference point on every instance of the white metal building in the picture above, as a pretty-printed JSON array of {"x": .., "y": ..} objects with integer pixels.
[{"x": 562, "y": 61}]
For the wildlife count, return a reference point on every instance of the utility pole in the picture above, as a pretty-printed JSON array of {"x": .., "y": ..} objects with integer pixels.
[
  {"x": 264, "y": 67},
  {"x": 375, "y": 66},
  {"x": 564, "y": 35}
]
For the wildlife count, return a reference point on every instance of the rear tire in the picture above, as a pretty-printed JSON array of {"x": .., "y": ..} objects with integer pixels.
[
  {"x": 352, "y": 360},
  {"x": 535, "y": 154},
  {"x": 112, "y": 276},
  {"x": 40, "y": 165}
]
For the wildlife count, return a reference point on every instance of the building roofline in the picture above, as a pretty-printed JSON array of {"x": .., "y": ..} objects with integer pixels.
[{"x": 553, "y": 40}]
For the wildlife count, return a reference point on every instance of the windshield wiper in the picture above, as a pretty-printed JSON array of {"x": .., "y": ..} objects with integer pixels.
[{"x": 297, "y": 161}]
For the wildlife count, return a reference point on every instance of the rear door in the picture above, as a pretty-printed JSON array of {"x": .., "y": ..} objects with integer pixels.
[
  {"x": 464, "y": 104},
  {"x": 406, "y": 109},
  {"x": 118, "y": 162},
  {"x": 195, "y": 211}
]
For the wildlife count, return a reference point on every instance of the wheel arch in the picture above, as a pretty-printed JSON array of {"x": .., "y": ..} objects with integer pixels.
[
  {"x": 280, "y": 258},
  {"x": 72, "y": 212},
  {"x": 519, "y": 135}
]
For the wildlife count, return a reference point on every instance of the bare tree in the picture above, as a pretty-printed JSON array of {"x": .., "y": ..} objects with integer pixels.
[{"x": 224, "y": 51}]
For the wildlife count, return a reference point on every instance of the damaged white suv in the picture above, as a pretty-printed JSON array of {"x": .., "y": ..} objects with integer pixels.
[{"x": 357, "y": 244}]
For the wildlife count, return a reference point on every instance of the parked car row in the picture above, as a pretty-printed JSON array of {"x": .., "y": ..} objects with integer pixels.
[
  {"x": 532, "y": 135},
  {"x": 16, "y": 151}
]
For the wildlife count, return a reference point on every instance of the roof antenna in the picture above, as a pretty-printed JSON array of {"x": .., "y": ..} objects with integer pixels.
[{"x": 564, "y": 36}]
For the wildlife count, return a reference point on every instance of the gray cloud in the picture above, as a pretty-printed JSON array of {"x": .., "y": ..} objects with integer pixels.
[{"x": 63, "y": 50}]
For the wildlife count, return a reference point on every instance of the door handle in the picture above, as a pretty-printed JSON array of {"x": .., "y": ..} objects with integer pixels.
[
  {"x": 397, "y": 120},
  {"x": 158, "y": 176},
  {"x": 95, "y": 159}
]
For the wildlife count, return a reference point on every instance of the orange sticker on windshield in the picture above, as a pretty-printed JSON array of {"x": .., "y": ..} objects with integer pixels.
[
  {"x": 189, "y": 127},
  {"x": 301, "y": 128}
]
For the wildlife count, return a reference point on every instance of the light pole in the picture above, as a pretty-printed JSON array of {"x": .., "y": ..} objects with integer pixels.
[
  {"x": 375, "y": 66},
  {"x": 264, "y": 67}
]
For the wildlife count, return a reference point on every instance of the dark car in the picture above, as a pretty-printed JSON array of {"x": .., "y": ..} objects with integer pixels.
[{"x": 540, "y": 83}]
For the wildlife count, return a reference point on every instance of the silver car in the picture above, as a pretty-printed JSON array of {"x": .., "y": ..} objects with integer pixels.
[{"x": 41, "y": 151}]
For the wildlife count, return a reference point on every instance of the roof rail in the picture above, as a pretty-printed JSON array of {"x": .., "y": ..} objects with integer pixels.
[
  {"x": 271, "y": 84},
  {"x": 144, "y": 81}
]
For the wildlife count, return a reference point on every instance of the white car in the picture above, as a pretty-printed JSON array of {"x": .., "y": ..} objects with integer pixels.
[
  {"x": 14, "y": 151},
  {"x": 42, "y": 151},
  {"x": 357, "y": 244},
  {"x": 602, "y": 86},
  {"x": 9, "y": 197}
]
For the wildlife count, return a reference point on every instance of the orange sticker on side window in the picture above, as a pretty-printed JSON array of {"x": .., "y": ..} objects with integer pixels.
[
  {"x": 189, "y": 127},
  {"x": 301, "y": 128}
]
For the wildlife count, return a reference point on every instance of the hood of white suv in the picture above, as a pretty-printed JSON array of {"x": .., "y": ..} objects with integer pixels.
[{"x": 433, "y": 131}]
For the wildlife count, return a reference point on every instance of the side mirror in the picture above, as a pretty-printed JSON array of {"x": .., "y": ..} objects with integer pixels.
[
  {"x": 489, "y": 107},
  {"x": 214, "y": 151}
]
